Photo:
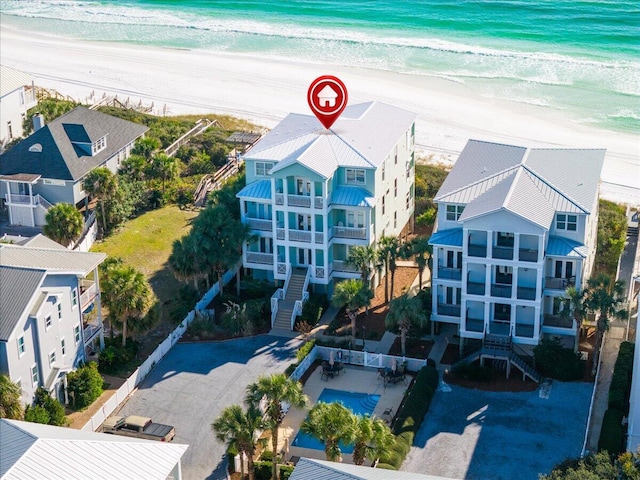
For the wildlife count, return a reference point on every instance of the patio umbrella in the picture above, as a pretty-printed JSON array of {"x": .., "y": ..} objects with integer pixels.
[
  {"x": 331, "y": 361},
  {"x": 393, "y": 364}
]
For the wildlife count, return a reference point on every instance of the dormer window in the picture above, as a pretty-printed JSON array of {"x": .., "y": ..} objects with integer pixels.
[
  {"x": 566, "y": 222},
  {"x": 355, "y": 176},
  {"x": 99, "y": 145},
  {"x": 263, "y": 168},
  {"x": 454, "y": 212}
]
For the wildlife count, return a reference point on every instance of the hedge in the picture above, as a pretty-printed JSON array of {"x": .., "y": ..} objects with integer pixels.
[
  {"x": 612, "y": 433},
  {"x": 263, "y": 471},
  {"x": 620, "y": 388},
  {"x": 557, "y": 362}
]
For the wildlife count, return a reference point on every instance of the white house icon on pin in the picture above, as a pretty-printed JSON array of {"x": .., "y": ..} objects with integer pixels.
[{"x": 327, "y": 97}]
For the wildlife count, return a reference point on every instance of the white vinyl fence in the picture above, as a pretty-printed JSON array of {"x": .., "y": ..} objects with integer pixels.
[{"x": 143, "y": 370}]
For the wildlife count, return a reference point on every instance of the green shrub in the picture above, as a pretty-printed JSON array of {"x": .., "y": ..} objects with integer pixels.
[
  {"x": 36, "y": 414},
  {"x": 473, "y": 371},
  {"x": 620, "y": 388},
  {"x": 116, "y": 357},
  {"x": 290, "y": 369},
  {"x": 45, "y": 409},
  {"x": 263, "y": 470},
  {"x": 313, "y": 308},
  {"x": 417, "y": 403},
  {"x": 304, "y": 350},
  {"x": 555, "y": 361},
  {"x": 385, "y": 466},
  {"x": 84, "y": 385},
  {"x": 612, "y": 433}
]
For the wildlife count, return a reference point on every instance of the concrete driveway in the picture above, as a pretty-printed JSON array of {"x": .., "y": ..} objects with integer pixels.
[
  {"x": 196, "y": 381},
  {"x": 470, "y": 434}
]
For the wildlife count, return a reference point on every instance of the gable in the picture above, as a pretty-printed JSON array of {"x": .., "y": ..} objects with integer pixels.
[{"x": 504, "y": 221}]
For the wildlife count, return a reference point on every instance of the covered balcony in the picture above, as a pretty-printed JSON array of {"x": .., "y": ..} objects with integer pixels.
[
  {"x": 259, "y": 258},
  {"x": 477, "y": 244},
  {"x": 447, "y": 273},
  {"x": 340, "y": 231},
  {"x": 260, "y": 224},
  {"x": 88, "y": 293},
  {"x": 449, "y": 310},
  {"x": 553, "y": 283},
  {"x": 344, "y": 266},
  {"x": 557, "y": 321}
]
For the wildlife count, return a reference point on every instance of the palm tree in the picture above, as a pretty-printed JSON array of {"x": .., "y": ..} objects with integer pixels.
[
  {"x": 146, "y": 147},
  {"x": 353, "y": 295},
  {"x": 274, "y": 390},
  {"x": 362, "y": 257},
  {"x": 371, "y": 437},
  {"x": 420, "y": 249},
  {"x": 331, "y": 423},
  {"x": 101, "y": 184},
  {"x": 574, "y": 307},
  {"x": 605, "y": 296},
  {"x": 165, "y": 168},
  {"x": 135, "y": 167},
  {"x": 238, "y": 428},
  {"x": 389, "y": 253},
  {"x": 64, "y": 223},
  {"x": 10, "y": 399},
  {"x": 127, "y": 295},
  {"x": 185, "y": 259},
  {"x": 405, "y": 312}
]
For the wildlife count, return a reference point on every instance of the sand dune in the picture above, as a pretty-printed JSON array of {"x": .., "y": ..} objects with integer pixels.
[{"x": 264, "y": 91}]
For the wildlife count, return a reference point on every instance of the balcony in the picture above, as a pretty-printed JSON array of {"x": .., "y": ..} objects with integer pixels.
[
  {"x": 475, "y": 288},
  {"x": 300, "y": 236},
  {"x": 88, "y": 292},
  {"x": 19, "y": 199},
  {"x": 477, "y": 250},
  {"x": 446, "y": 273},
  {"x": 557, "y": 321},
  {"x": 319, "y": 237},
  {"x": 503, "y": 253},
  {"x": 280, "y": 233},
  {"x": 559, "y": 283},
  {"x": 350, "y": 232},
  {"x": 279, "y": 199},
  {"x": 524, "y": 330},
  {"x": 299, "y": 201},
  {"x": 318, "y": 202},
  {"x": 91, "y": 331},
  {"x": 259, "y": 257},
  {"x": 503, "y": 291},
  {"x": 526, "y": 293},
  {"x": 449, "y": 310},
  {"x": 474, "y": 324},
  {"x": 527, "y": 255},
  {"x": 343, "y": 266},
  {"x": 259, "y": 224}
]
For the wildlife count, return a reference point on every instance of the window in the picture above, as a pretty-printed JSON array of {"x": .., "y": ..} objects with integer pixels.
[
  {"x": 383, "y": 197},
  {"x": 52, "y": 358},
  {"x": 396, "y": 154},
  {"x": 408, "y": 201},
  {"x": 566, "y": 222},
  {"x": 355, "y": 176},
  {"x": 395, "y": 219},
  {"x": 47, "y": 322},
  {"x": 59, "y": 310},
  {"x": 34, "y": 375},
  {"x": 76, "y": 334},
  {"x": 63, "y": 347},
  {"x": 21, "y": 348},
  {"x": 383, "y": 171},
  {"x": 263, "y": 168},
  {"x": 99, "y": 145},
  {"x": 74, "y": 297},
  {"x": 355, "y": 219},
  {"x": 9, "y": 131},
  {"x": 395, "y": 187},
  {"x": 454, "y": 212}
]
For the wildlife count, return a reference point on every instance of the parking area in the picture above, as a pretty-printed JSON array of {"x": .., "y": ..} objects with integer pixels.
[
  {"x": 196, "y": 381},
  {"x": 471, "y": 434}
]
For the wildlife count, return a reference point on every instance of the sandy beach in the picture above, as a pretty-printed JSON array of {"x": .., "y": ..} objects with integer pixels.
[{"x": 265, "y": 90}]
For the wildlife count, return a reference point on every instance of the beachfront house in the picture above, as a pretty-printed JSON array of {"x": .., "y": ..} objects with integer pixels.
[
  {"x": 50, "y": 165},
  {"x": 50, "y": 315},
  {"x": 313, "y": 193},
  {"x": 515, "y": 228},
  {"x": 17, "y": 95}
]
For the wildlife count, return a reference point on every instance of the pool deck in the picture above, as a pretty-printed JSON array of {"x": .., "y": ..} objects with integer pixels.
[{"x": 351, "y": 379}]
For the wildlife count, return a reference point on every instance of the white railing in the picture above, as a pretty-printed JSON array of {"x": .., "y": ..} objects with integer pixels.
[
  {"x": 279, "y": 295},
  {"x": 280, "y": 233},
  {"x": 260, "y": 257},
  {"x": 288, "y": 274},
  {"x": 89, "y": 292},
  {"x": 299, "y": 201},
  {"x": 21, "y": 199},
  {"x": 318, "y": 202},
  {"x": 319, "y": 272},
  {"x": 350, "y": 232},
  {"x": 90, "y": 332},
  {"x": 343, "y": 266},
  {"x": 300, "y": 236},
  {"x": 319, "y": 237},
  {"x": 40, "y": 200},
  {"x": 258, "y": 224},
  {"x": 143, "y": 370},
  {"x": 281, "y": 268},
  {"x": 297, "y": 308}
]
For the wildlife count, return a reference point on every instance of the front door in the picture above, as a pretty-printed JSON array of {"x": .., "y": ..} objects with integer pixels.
[
  {"x": 304, "y": 256},
  {"x": 303, "y": 186}
]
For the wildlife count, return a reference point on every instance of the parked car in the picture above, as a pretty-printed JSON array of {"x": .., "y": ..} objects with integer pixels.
[{"x": 140, "y": 427}]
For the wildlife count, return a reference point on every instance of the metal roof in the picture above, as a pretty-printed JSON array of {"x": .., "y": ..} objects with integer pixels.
[
  {"x": 564, "y": 247},
  {"x": 59, "y": 158},
  {"x": 36, "y": 451},
  {"x": 40, "y": 240},
  {"x": 352, "y": 197},
  {"x": 364, "y": 135},
  {"x": 260, "y": 190},
  {"x": 312, "y": 469},
  {"x": 451, "y": 237},
  {"x": 12, "y": 79},
  {"x": 49, "y": 259},
  {"x": 17, "y": 288}
]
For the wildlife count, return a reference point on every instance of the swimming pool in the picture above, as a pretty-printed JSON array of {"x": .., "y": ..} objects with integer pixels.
[{"x": 358, "y": 403}]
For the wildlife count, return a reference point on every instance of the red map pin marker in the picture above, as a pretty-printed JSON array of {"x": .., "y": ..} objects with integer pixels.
[{"x": 327, "y": 97}]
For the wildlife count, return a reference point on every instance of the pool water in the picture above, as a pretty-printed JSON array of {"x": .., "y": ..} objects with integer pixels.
[{"x": 358, "y": 403}]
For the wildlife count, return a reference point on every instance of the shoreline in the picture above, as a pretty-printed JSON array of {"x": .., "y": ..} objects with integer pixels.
[{"x": 264, "y": 90}]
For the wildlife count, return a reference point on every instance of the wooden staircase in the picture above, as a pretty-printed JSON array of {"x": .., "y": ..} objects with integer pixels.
[{"x": 294, "y": 292}]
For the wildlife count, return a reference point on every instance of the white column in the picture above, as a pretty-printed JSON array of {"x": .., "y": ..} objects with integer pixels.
[
  {"x": 536, "y": 323},
  {"x": 514, "y": 284},
  {"x": 33, "y": 216},
  {"x": 489, "y": 243},
  {"x": 487, "y": 316},
  {"x": 487, "y": 279},
  {"x": 516, "y": 246},
  {"x": 99, "y": 307},
  {"x": 541, "y": 248},
  {"x": 434, "y": 260}
]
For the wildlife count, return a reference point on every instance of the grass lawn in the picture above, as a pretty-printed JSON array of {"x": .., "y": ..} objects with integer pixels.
[{"x": 145, "y": 243}]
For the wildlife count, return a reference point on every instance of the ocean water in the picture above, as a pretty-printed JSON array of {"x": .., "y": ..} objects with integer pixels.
[{"x": 581, "y": 58}]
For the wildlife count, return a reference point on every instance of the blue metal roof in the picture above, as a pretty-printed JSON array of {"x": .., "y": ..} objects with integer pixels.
[
  {"x": 451, "y": 237},
  {"x": 352, "y": 197},
  {"x": 260, "y": 190},
  {"x": 563, "y": 247}
]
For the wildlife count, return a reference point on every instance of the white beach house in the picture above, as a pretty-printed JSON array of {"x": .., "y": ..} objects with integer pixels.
[
  {"x": 17, "y": 95},
  {"x": 515, "y": 228},
  {"x": 313, "y": 193}
]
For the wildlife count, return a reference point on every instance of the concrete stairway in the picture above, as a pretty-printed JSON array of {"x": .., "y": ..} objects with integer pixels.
[{"x": 293, "y": 293}]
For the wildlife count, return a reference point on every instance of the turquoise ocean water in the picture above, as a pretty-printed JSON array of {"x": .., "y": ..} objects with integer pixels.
[{"x": 578, "y": 57}]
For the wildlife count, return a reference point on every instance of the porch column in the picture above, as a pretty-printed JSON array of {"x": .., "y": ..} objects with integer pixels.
[
  {"x": 540, "y": 248},
  {"x": 33, "y": 215},
  {"x": 536, "y": 324},
  {"x": 513, "y": 318},
  {"x": 487, "y": 316},
  {"x": 514, "y": 284},
  {"x": 99, "y": 307},
  {"x": 489, "y": 243},
  {"x": 487, "y": 279},
  {"x": 516, "y": 246},
  {"x": 539, "y": 277},
  {"x": 434, "y": 262}
]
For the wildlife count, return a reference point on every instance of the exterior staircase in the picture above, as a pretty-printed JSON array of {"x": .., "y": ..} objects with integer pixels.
[
  {"x": 294, "y": 292},
  {"x": 500, "y": 347}
]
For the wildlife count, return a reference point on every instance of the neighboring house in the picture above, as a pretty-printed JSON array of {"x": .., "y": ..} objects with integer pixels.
[
  {"x": 312, "y": 193},
  {"x": 50, "y": 315},
  {"x": 33, "y": 450},
  {"x": 312, "y": 469},
  {"x": 633, "y": 428},
  {"x": 17, "y": 95},
  {"x": 50, "y": 165},
  {"x": 515, "y": 228}
]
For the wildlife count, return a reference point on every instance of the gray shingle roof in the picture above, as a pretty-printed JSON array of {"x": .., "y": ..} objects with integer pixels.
[
  {"x": 17, "y": 288},
  {"x": 312, "y": 469},
  {"x": 60, "y": 158}
]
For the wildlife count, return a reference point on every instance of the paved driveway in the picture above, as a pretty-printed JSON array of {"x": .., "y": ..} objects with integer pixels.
[
  {"x": 470, "y": 434},
  {"x": 196, "y": 381}
]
